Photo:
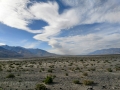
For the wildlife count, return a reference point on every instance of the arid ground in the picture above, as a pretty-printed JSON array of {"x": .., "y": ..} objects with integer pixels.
[{"x": 68, "y": 73}]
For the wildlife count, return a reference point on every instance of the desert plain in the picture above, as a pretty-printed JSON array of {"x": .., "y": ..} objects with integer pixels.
[{"x": 67, "y": 72}]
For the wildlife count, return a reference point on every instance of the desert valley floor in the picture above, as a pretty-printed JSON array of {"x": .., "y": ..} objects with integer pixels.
[{"x": 68, "y": 73}]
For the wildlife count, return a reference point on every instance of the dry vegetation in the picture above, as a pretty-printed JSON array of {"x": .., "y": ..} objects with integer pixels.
[{"x": 61, "y": 73}]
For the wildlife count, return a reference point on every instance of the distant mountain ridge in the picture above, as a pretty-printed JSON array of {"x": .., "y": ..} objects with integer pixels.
[
  {"x": 106, "y": 51},
  {"x": 8, "y": 54},
  {"x": 20, "y": 52},
  {"x": 12, "y": 51}
]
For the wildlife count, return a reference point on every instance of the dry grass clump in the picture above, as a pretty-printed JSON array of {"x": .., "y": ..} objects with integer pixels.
[
  {"x": 88, "y": 82},
  {"x": 117, "y": 68},
  {"x": 76, "y": 82},
  {"x": 40, "y": 87},
  {"x": 10, "y": 76}
]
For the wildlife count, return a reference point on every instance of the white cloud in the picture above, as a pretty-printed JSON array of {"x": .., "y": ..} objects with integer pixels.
[
  {"x": 15, "y": 13},
  {"x": 92, "y": 11},
  {"x": 58, "y": 22},
  {"x": 2, "y": 44},
  {"x": 31, "y": 45},
  {"x": 84, "y": 44},
  {"x": 27, "y": 44}
]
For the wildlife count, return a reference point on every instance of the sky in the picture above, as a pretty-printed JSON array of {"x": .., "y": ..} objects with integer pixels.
[{"x": 67, "y": 27}]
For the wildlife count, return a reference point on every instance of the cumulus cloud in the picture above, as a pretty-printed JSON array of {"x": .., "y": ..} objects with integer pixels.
[{"x": 15, "y": 13}]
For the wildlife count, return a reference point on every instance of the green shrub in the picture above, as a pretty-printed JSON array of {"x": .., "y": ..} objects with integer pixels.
[
  {"x": 85, "y": 74},
  {"x": 42, "y": 69},
  {"x": 51, "y": 66},
  {"x": 50, "y": 70},
  {"x": 77, "y": 68},
  {"x": 48, "y": 80},
  {"x": 9, "y": 70},
  {"x": 92, "y": 69},
  {"x": 10, "y": 76},
  {"x": 1, "y": 69},
  {"x": 76, "y": 82},
  {"x": 40, "y": 87},
  {"x": 88, "y": 82},
  {"x": 70, "y": 64},
  {"x": 66, "y": 74},
  {"x": 53, "y": 76},
  {"x": 109, "y": 70}
]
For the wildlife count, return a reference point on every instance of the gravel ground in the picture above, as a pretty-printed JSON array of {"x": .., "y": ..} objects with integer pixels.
[{"x": 104, "y": 71}]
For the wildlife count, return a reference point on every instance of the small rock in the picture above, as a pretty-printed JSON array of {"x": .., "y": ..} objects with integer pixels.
[{"x": 113, "y": 88}]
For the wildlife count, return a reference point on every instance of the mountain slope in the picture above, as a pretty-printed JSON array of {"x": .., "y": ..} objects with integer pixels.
[
  {"x": 39, "y": 52},
  {"x": 19, "y": 50},
  {"x": 106, "y": 51},
  {"x": 27, "y": 52},
  {"x": 4, "y": 53}
]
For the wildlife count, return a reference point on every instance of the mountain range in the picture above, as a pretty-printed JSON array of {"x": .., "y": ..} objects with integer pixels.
[
  {"x": 19, "y": 52},
  {"x": 106, "y": 51}
]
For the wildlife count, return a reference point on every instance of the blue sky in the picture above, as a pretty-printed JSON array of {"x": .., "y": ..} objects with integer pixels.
[{"x": 71, "y": 27}]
